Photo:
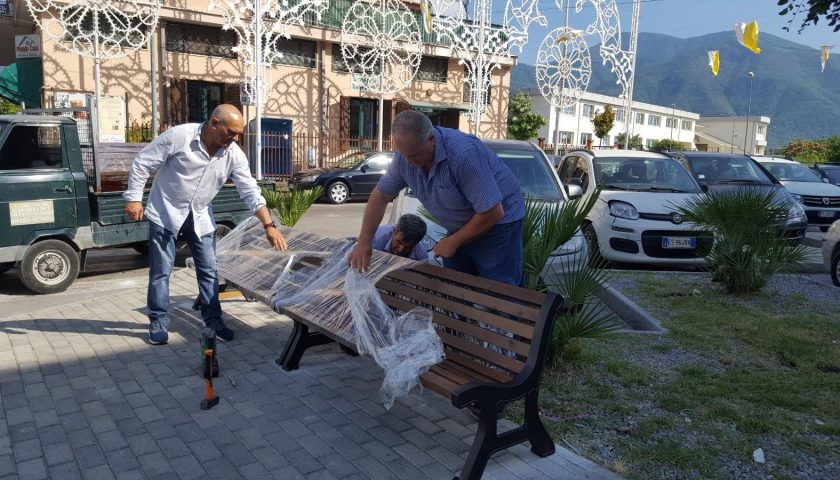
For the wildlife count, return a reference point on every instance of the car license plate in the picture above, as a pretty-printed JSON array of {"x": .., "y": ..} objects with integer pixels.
[
  {"x": 825, "y": 214},
  {"x": 679, "y": 242}
]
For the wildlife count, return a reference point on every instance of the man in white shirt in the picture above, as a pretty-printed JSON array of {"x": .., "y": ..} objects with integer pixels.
[{"x": 190, "y": 163}]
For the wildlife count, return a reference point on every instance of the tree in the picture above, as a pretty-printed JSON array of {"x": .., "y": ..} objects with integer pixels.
[
  {"x": 666, "y": 145},
  {"x": 806, "y": 151},
  {"x": 815, "y": 9},
  {"x": 603, "y": 123},
  {"x": 635, "y": 141},
  {"x": 523, "y": 124}
]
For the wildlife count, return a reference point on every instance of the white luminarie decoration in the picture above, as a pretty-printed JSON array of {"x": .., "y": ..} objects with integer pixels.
[
  {"x": 382, "y": 46},
  {"x": 480, "y": 46},
  {"x": 259, "y": 24},
  {"x": 97, "y": 29}
]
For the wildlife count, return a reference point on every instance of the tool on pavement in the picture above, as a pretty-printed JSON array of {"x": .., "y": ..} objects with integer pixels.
[
  {"x": 208, "y": 342},
  {"x": 210, "y": 398}
]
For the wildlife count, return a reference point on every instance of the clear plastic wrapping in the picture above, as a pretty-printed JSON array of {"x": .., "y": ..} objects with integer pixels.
[{"x": 312, "y": 280}]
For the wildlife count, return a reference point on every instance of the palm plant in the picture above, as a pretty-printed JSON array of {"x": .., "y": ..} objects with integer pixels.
[
  {"x": 548, "y": 227},
  {"x": 290, "y": 205},
  {"x": 749, "y": 244}
]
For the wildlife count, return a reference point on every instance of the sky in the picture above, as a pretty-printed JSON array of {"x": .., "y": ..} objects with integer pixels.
[{"x": 685, "y": 19}]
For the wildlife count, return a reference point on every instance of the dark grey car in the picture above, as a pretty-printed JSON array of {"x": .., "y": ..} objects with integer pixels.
[{"x": 725, "y": 172}]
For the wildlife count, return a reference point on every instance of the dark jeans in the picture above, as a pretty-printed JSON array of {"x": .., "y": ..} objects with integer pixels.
[
  {"x": 162, "y": 250},
  {"x": 495, "y": 256}
]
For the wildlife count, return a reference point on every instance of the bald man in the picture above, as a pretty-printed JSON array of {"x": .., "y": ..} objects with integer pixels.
[{"x": 190, "y": 163}]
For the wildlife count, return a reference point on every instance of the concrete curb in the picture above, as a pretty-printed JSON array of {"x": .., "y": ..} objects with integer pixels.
[
  {"x": 812, "y": 242},
  {"x": 628, "y": 310}
]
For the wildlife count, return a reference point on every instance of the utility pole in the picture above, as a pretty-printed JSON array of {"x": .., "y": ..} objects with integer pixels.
[{"x": 751, "y": 75}]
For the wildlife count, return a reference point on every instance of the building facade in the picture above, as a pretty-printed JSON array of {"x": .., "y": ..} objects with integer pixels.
[
  {"x": 574, "y": 127},
  {"x": 311, "y": 85},
  {"x": 727, "y": 134}
]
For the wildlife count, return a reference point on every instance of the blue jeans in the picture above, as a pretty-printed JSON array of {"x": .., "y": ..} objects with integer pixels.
[
  {"x": 162, "y": 250},
  {"x": 496, "y": 256}
]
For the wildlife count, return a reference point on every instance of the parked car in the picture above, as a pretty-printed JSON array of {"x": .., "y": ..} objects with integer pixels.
[
  {"x": 554, "y": 159},
  {"x": 820, "y": 200},
  {"x": 829, "y": 173},
  {"x": 538, "y": 181},
  {"x": 635, "y": 218},
  {"x": 831, "y": 251},
  {"x": 352, "y": 178},
  {"x": 727, "y": 172}
]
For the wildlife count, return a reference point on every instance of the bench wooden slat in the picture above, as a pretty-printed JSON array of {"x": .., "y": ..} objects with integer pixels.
[
  {"x": 455, "y": 377},
  {"x": 525, "y": 311},
  {"x": 438, "y": 384},
  {"x": 467, "y": 363},
  {"x": 470, "y": 375},
  {"x": 475, "y": 331},
  {"x": 481, "y": 352},
  {"x": 523, "y": 294},
  {"x": 430, "y": 299}
]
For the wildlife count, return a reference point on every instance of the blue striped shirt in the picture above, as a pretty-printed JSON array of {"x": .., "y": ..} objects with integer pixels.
[{"x": 466, "y": 178}]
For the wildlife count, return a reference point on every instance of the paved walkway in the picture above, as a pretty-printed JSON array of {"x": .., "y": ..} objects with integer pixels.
[{"x": 82, "y": 395}]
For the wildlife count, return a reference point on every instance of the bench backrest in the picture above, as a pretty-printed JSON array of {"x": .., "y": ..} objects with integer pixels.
[{"x": 488, "y": 327}]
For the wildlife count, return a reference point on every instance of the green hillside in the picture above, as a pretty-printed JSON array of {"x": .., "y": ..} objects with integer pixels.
[{"x": 788, "y": 86}]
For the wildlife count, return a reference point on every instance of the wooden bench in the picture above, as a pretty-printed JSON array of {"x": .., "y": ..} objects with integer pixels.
[{"x": 495, "y": 339}]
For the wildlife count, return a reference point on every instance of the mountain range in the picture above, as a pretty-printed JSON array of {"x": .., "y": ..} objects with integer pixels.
[{"x": 788, "y": 87}]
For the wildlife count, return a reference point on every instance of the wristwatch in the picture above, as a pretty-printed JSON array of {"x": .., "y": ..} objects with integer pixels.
[{"x": 269, "y": 225}]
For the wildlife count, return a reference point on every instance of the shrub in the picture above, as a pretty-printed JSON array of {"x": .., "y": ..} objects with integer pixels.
[
  {"x": 290, "y": 205},
  {"x": 139, "y": 132},
  {"x": 749, "y": 246},
  {"x": 666, "y": 145}
]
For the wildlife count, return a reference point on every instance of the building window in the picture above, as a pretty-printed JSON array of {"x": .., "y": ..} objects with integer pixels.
[
  {"x": 671, "y": 122},
  {"x": 468, "y": 90},
  {"x": 588, "y": 110},
  {"x": 761, "y": 129},
  {"x": 654, "y": 120},
  {"x": 6, "y": 9},
  {"x": 339, "y": 64},
  {"x": 202, "y": 99},
  {"x": 640, "y": 118},
  {"x": 433, "y": 69},
  {"x": 363, "y": 114},
  {"x": 585, "y": 138},
  {"x": 294, "y": 52},
  {"x": 565, "y": 138},
  {"x": 649, "y": 143},
  {"x": 619, "y": 115},
  {"x": 686, "y": 124},
  {"x": 568, "y": 110},
  {"x": 200, "y": 40}
]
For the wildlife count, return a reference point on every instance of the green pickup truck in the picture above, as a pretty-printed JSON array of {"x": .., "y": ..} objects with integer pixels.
[{"x": 60, "y": 198}]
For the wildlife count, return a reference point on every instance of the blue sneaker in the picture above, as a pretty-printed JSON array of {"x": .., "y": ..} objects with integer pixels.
[
  {"x": 224, "y": 334},
  {"x": 158, "y": 334}
]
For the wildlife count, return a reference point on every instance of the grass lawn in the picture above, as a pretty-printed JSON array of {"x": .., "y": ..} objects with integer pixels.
[{"x": 731, "y": 375}]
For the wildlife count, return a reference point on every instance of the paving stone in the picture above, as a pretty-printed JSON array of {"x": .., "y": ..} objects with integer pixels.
[
  {"x": 7, "y": 465},
  {"x": 173, "y": 448},
  {"x": 270, "y": 458},
  {"x": 142, "y": 444},
  {"x": 111, "y": 440},
  {"x": 160, "y": 429},
  {"x": 154, "y": 464},
  {"x": 52, "y": 434},
  {"x": 238, "y": 454},
  {"x": 102, "y": 423},
  {"x": 188, "y": 468},
  {"x": 74, "y": 421},
  {"x": 28, "y": 449},
  {"x": 122, "y": 460},
  {"x": 221, "y": 468},
  {"x": 303, "y": 461},
  {"x": 81, "y": 438},
  {"x": 338, "y": 464},
  {"x": 32, "y": 469},
  {"x": 101, "y": 472},
  {"x": 89, "y": 456},
  {"x": 58, "y": 453},
  {"x": 65, "y": 471}
]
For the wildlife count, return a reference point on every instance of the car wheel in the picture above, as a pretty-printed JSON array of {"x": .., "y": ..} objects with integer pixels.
[
  {"x": 835, "y": 267},
  {"x": 49, "y": 267},
  {"x": 338, "y": 192},
  {"x": 222, "y": 230},
  {"x": 592, "y": 244},
  {"x": 142, "y": 248}
]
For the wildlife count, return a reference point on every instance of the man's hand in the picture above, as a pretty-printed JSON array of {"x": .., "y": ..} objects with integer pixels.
[
  {"x": 360, "y": 257},
  {"x": 446, "y": 247},
  {"x": 134, "y": 210},
  {"x": 276, "y": 239}
]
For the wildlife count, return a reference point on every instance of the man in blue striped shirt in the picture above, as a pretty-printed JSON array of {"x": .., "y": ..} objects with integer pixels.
[{"x": 468, "y": 189}]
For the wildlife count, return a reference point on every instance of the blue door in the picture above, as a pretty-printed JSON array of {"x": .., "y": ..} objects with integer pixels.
[{"x": 276, "y": 146}]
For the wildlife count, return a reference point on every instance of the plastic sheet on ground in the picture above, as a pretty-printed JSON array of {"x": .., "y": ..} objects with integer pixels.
[{"x": 312, "y": 280}]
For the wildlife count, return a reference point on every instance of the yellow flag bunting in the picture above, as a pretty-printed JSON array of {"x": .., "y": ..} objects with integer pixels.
[
  {"x": 824, "y": 54},
  {"x": 747, "y": 34},
  {"x": 570, "y": 34},
  {"x": 714, "y": 61},
  {"x": 426, "y": 10}
]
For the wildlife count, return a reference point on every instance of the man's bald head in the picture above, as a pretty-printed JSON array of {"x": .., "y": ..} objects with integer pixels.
[{"x": 225, "y": 126}]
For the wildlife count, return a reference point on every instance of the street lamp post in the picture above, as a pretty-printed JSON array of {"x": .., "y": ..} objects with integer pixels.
[
  {"x": 673, "y": 120},
  {"x": 751, "y": 75}
]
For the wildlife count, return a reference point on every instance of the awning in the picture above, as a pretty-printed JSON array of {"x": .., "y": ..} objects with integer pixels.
[
  {"x": 22, "y": 83},
  {"x": 428, "y": 106}
]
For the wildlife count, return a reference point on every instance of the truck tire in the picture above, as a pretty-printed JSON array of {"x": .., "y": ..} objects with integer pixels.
[
  {"x": 142, "y": 248},
  {"x": 49, "y": 266},
  {"x": 222, "y": 229}
]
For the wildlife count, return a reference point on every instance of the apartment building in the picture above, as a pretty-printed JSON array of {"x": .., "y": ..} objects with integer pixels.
[
  {"x": 726, "y": 134},
  {"x": 311, "y": 85},
  {"x": 573, "y": 125}
]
